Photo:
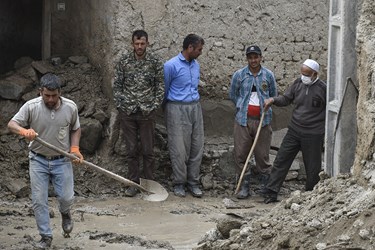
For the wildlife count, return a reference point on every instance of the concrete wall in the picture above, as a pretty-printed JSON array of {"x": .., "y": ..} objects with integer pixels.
[
  {"x": 287, "y": 31},
  {"x": 84, "y": 28}
]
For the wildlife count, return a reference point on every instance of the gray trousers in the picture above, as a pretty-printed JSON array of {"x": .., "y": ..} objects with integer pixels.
[
  {"x": 243, "y": 141},
  {"x": 185, "y": 141},
  {"x": 311, "y": 147}
]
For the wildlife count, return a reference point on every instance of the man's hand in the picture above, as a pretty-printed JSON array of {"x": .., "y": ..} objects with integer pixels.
[
  {"x": 29, "y": 134},
  {"x": 267, "y": 103},
  {"x": 75, "y": 150}
]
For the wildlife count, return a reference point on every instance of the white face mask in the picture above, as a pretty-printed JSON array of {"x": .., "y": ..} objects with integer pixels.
[{"x": 306, "y": 80}]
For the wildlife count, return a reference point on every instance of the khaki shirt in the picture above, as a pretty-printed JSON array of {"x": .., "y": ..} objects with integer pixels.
[{"x": 53, "y": 126}]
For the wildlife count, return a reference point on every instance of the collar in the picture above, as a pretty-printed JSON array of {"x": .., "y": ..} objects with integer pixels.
[
  {"x": 182, "y": 58},
  {"x": 259, "y": 72}
]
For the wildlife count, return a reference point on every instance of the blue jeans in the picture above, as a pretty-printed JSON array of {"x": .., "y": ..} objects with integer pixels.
[{"x": 60, "y": 173}]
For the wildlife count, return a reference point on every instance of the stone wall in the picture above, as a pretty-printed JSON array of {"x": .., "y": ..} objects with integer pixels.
[
  {"x": 366, "y": 101},
  {"x": 287, "y": 31}
]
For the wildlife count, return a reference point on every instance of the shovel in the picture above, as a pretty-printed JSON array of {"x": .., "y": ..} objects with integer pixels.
[
  {"x": 249, "y": 155},
  {"x": 151, "y": 190}
]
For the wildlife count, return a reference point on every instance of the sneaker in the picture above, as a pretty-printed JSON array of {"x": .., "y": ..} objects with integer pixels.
[
  {"x": 131, "y": 191},
  {"x": 195, "y": 191},
  {"x": 179, "y": 190},
  {"x": 44, "y": 243},
  {"x": 67, "y": 222}
]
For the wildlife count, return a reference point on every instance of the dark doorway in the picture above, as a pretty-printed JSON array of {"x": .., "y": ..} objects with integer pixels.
[{"x": 20, "y": 31}]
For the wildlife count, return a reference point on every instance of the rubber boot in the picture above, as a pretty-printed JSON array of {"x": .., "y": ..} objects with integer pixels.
[
  {"x": 67, "y": 222},
  {"x": 244, "y": 188},
  {"x": 263, "y": 180}
]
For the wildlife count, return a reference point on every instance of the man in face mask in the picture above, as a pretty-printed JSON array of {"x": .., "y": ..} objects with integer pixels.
[{"x": 305, "y": 131}]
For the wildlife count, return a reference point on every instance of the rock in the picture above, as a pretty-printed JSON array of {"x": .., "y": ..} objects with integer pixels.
[
  {"x": 18, "y": 187},
  {"x": 14, "y": 86},
  {"x": 364, "y": 234},
  {"x": 28, "y": 72},
  {"x": 267, "y": 234},
  {"x": 22, "y": 61},
  {"x": 234, "y": 232},
  {"x": 56, "y": 61},
  {"x": 245, "y": 232},
  {"x": 358, "y": 223},
  {"x": 78, "y": 59},
  {"x": 234, "y": 246},
  {"x": 343, "y": 238},
  {"x": 207, "y": 181},
  {"x": 212, "y": 235},
  {"x": 91, "y": 134},
  {"x": 321, "y": 246},
  {"x": 292, "y": 175},
  {"x": 284, "y": 243},
  {"x": 8, "y": 109},
  {"x": 42, "y": 67},
  {"x": 226, "y": 224},
  {"x": 101, "y": 116},
  {"x": 315, "y": 223},
  {"x": 295, "y": 207}
]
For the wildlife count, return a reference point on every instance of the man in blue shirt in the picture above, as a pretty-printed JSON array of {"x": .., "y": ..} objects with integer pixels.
[
  {"x": 249, "y": 88},
  {"x": 183, "y": 114}
]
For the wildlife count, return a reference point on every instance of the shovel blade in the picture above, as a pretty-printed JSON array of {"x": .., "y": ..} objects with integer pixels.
[{"x": 156, "y": 191}]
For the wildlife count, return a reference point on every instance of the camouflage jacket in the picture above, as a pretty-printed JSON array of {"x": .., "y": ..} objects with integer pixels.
[{"x": 138, "y": 84}]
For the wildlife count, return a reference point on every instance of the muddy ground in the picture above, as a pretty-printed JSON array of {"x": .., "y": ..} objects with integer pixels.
[
  {"x": 338, "y": 214},
  {"x": 123, "y": 223}
]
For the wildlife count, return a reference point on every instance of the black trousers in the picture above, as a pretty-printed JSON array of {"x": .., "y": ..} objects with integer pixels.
[
  {"x": 136, "y": 126},
  {"x": 311, "y": 147}
]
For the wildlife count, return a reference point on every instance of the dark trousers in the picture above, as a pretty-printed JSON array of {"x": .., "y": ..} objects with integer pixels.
[
  {"x": 311, "y": 147},
  {"x": 135, "y": 125}
]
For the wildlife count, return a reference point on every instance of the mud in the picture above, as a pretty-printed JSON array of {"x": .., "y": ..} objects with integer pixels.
[{"x": 125, "y": 223}]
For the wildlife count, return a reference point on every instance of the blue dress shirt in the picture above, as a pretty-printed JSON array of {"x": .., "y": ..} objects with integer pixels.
[{"x": 181, "y": 79}]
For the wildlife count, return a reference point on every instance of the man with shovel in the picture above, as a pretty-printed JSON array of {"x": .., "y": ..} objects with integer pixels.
[
  {"x": 56, "y": 120},
  {"x": 250, "y": 86}
]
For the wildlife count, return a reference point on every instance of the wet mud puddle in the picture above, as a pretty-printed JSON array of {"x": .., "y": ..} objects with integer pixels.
[{"x": 117, "y": 223}]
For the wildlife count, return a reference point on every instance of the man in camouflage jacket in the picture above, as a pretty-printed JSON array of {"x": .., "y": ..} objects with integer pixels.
[{"x": 138, "y": 92}]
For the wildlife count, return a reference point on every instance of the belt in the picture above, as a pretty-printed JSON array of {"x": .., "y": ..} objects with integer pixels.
[{"x": 49, "y": 158}]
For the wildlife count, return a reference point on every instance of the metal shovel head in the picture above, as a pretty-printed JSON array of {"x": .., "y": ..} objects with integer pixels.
[{"x": 157, "y": 191}]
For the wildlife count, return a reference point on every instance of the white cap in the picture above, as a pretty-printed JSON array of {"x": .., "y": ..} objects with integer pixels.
[{"x": 312, "y": 64}]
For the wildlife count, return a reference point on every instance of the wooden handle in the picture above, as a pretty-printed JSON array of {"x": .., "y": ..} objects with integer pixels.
[
  {"x": 95, "y": 167},
  {"x": 249, "y": 155}
]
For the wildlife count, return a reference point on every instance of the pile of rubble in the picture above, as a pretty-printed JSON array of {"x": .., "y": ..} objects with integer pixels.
[{"x": 338, "y": 214}]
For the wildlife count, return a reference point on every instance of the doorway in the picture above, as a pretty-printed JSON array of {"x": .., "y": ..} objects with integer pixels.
[{"x": 20, "y": 31}]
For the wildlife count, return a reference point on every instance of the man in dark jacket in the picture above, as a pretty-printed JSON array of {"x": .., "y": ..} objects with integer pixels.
[{"x": 305, "y": 131}]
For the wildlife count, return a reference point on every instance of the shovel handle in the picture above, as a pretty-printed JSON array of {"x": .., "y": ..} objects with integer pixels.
[
  {"x": 249, "y": 155},
  {"x": 91, "y": 165}
]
